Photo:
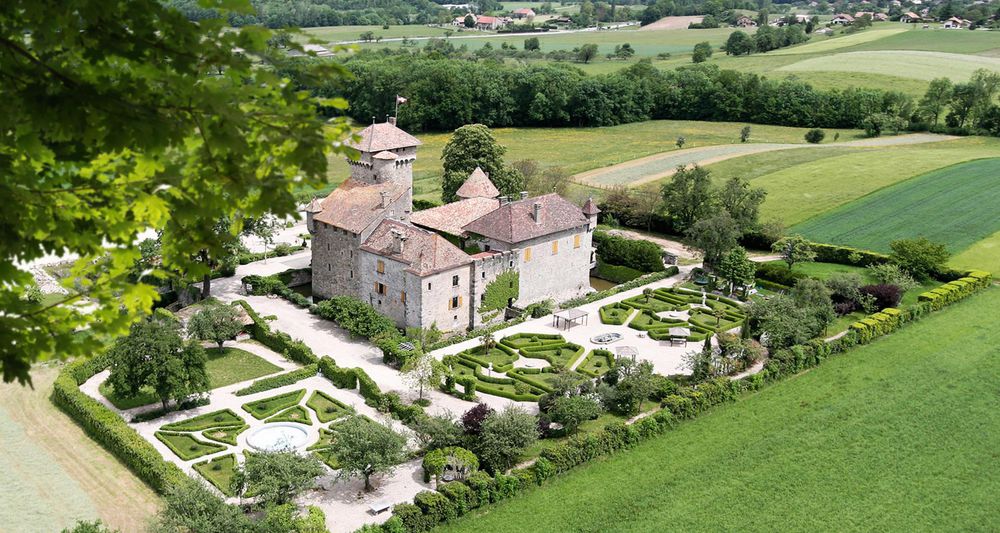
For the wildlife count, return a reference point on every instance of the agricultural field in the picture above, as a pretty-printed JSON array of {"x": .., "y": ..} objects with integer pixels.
[
  {"x": 54, "y": 474},
  {"x": 956, "y": 205},
  {"x": 336, "y": 34},
  {"x": 581, "y": 149},
  {"x": 914, "y": 64},
  {"x": 897, "y": 435},
  {"x": 824, "y": 45}
]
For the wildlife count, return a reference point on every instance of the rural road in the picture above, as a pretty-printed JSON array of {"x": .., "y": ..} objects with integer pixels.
[{"x": 657, "y": 166}]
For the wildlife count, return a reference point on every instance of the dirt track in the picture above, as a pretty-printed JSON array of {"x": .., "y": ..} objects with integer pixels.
[{"x": 672, "y": 23}]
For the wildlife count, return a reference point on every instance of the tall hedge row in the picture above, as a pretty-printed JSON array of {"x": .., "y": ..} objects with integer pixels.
[{"x": 636, "y": 254}]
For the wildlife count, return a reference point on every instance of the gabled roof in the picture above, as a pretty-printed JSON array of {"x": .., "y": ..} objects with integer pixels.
[
  {"x": 515, "y": 222},
  {"x": 424, "y": 252},
  {"x": 355, "y": 205},
  {"x": 383, "y": 136},
  {"x": 451, "y": 218},
  {"x": 478, "y": 184}
]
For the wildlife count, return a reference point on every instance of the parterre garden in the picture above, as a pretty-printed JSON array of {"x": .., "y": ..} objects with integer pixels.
[
  {"x": 217, "y": 431},
  {"x": 716, "y": 314}
]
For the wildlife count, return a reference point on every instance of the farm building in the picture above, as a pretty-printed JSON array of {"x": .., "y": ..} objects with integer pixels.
[
  {"x": 745, "y": 22},
  {"x": 910, "y": 17},
  {"x": 842, "y": 19},
  {"x": 955, "y": 23},
  {"x": 523, "y": 13}
]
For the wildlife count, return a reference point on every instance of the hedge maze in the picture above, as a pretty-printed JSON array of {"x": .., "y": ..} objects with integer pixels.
[{"x": 472, "y": 367}]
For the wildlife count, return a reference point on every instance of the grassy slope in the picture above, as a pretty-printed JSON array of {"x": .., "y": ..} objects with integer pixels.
[
  {"x": 899, "y": 435},
  {"x": 984, "y": 254},
  {"x": 53, "y": 474},
  {"x": 232, "y": 366},
  {"x": 956, "y": 205},
  {"x": 916, "y": 64}
]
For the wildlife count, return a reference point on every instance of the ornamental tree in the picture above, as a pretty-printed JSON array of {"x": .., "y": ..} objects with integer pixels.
[
  {"x": 714, "y": 236},
  {"x": 192, "y": 506},
  {"x": 737, "y": 268},
  {"x": 155, "y": 355},
  {"x": 474, "y": 146},
  {"x": 794, "y": 249},
  {"x": 364, "y": 448},
  {"x": 505, "y": 434},
  {"x": 571, "y": 411},
  {"x": 277, "y": 477},
  {"x": 423, "y": 371},
  {"x": 919, "y": 257},
  {"x": 122, "y": 118},
  {"x": 215, "y": 322}
]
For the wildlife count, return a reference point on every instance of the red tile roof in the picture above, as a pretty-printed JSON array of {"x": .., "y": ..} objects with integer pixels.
[
  {"x": 383, "y": 136},
  {"x": 355, "y": 205},
  {"x": 424, "y": 252},
  {"x": 515, "y": 222},
  {"x": 451, "y": 218},
  {"x": 477, "y": 184}
]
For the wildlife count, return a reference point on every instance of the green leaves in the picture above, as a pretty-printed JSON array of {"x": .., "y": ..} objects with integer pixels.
[{"x": 122, "y": 119}]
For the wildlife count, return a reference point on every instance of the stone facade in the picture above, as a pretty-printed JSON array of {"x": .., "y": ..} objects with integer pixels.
[{"x": 365, "y": 246}]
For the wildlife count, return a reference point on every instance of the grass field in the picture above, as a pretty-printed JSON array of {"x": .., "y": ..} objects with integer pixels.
[
  {"x": 334, "y": 34},
  {"x": 984, "y": 255},
  {"x": 233, "y": 365},
  {"x": 898, "y": 435},
  {"x": 54, "y": 474},
  {"x": 916, "y": 64},
  {"x": 956, "y": 206},
  {"x": 823, "y": 46},
  {"x": 935, "y": 40}
]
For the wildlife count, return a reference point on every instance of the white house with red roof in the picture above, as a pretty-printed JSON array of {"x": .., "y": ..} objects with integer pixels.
[{"x": 443, "y": 266}]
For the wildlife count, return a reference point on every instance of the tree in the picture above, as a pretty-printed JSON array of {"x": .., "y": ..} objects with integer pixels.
[
  {"x": 423, "y": 371},
  {"x": 215, "y": 322},
  {"x": 742, "y": 202},
  {"x": 702, "y": 52},
  {"x": 794, "y": 249},
  {"x": 531, "y": 43},
  {"x": 738, "y": 44},
  {"x": 714, "y": 236},
  {"x": 438, "y": 431},
  {"x": 474, "y": 146},
  {"x": 86, "y": 526},
  {"x": 623, "y": 51},
  {"x": 813, "y": 296},
  {"x": 681, "y": 141},
  {"x": 116, "y": 134},
  {"x": 469, "y": 21},
  {"x": 745, "y": 134},
  {"x": 473, "y": 419},
  {"x": 277, "y": 477},
  {"x": 782, "y": 322},
  {"x": 364, "y": 448},
  {"x": 505, "y": 434},
  {"x": 155, "y": 355},
  {"x": 632, "y": 384},
  {"x": 688, "y": 197},
  {"x": 286, "y": 518},
  {"x": 920, "y": 257},
  {"x": 571, "y": 411},
  {"x": 586, "y": 52},
  {"x": 936, "y": 99},
  {"x": 368, "y": 36},
  {"x": 192, "y": 506},
  {"x": 815, "y": 136},
  {"x": 737, "y": 268}
]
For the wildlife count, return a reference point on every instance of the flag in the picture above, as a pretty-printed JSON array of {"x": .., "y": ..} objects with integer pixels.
[{"x": 400, "y": 100}]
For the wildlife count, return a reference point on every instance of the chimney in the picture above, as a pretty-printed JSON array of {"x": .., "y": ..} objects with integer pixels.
[
  {"x": 538, "y": 212},
  {"x": 398, "y": 241},
  {"x": 385, "y": 199},
  {"x": 504, "y": 200},
  {"x": 391, "y": 120},
  {"x": 524, "y": 195}
]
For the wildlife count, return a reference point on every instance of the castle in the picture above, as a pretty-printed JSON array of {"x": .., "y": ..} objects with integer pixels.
[{"x": 456, "y": 266}]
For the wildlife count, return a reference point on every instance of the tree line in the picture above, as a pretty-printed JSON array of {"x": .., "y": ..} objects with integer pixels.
[
  {"x": 312, "y": 13},
  {"x": 445, "y": 94}
]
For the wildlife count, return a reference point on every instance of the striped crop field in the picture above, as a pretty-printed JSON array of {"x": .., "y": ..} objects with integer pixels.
[
  {"x": 915, "y": 64},
  {"x": 956, "y": 205}
]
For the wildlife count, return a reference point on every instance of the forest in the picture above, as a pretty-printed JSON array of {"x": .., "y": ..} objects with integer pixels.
[{"x": 312, "y": 13}]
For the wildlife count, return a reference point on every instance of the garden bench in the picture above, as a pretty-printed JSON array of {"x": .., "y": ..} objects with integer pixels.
[{"x": 379, "y": 507}]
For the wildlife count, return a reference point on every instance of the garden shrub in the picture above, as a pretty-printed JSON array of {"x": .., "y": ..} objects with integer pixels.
[
  {"x": 281, "y": 380},
  {"x": 357, "y": 317},
  {"x": 636, "y": 254},
  {"x": 639, "y": 282},
  {"x": 279, "y": 342},
  {"x": 843, "y": 255},
  {"x": 436, "y": 507},
  {"x": 779, "y": 273},
  {"x": 885, "y": 295},
  {"x": 342, "y": 378}
]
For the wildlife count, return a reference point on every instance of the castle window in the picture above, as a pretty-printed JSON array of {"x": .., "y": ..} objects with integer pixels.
[
  {"x": 454, "y": 281},
  {"x": 576, "y": 241},
  {"x": 329, "y": 267},
  {"x": 352, "y": 274},
  {"x": 527, "y": 254},
  {"x": 484, "y": 275},
  {"x": 455, "y": 302},
  {"x": 328, "y": 247},
  {"x": 380, "y": 267},
  {"x": 511, "y": 264},
  {"x": 555, "y": 247},
  {"x": 379, "y": 288},
  {"x": 428, "y": 286}
]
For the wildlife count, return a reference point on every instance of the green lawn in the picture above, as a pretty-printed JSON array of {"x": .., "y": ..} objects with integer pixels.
[
  {"x": 297, "y": 414},
  {"x": 326, "y": 407},
  {"x": 186, "y": 446},
  {"x": 957, "y": 206},
  {"x": 226, "y": 435},
  {"x": 233, "y": 365},
  {"x": 899, "y": 435},
  {"x": 983, "y": 255},
  {"x": 219, "y": 472},
  {"x": 223, "y": 418},
  {"x": 334, "y": 34},
  {"x": 265, "y": 407}
]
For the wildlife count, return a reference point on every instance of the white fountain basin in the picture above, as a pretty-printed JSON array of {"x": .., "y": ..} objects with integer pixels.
[{"x": 279, "y": 436}]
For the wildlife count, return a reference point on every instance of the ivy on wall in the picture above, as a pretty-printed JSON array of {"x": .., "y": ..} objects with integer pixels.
[{"x": 501, "y": 290}]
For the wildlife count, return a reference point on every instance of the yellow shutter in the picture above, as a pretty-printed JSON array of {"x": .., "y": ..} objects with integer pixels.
[
  {"x": 527, "y": 254},
  {"x": 381, "y": 267},
  {"x": 402, "y": 297},
  {"x": 460, "y": 301},
  {"x": 576, "y": 241},
  {"x": 376, "y": 286},
  {"x": 555, "y": 247}
]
